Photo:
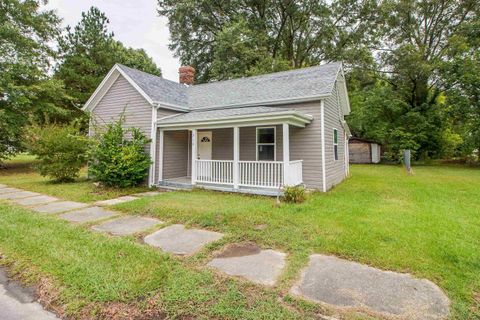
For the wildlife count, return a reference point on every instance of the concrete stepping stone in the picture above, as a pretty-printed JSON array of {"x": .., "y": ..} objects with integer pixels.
[
  {"x": 32, "y": 201},
  {"x": 111, "y": 202},
  {"x": 248, "y": 261},
  {"x": 87, "y": 214},
  {"x": 60, "y": 206},
  {"x": 18, "y": 195},
  {"x": 178, "y": 240},
  {"x": 127, "y": 225},
  {"x": 148, "y": 194},
  {"x": 9, "y": 190},
  {"x": 346, "y": 284}
]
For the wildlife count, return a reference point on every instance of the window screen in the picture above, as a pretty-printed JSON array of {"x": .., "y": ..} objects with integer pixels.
[{"x": 266, "y": 144}]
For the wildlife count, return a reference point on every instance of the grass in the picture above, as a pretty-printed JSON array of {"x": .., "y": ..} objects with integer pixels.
[
  {"x": 426, "y": 224},
  {"x": 19, "y": 173}
]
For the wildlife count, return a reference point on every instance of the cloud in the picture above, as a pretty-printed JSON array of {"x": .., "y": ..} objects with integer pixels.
[{"x": 135, "y": 23}]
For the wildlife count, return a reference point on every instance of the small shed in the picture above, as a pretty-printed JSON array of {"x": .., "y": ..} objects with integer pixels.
[{"x": 364, "y": 150}]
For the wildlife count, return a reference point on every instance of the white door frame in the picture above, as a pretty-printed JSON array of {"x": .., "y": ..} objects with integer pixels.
[{"x": 204, "y": 147}]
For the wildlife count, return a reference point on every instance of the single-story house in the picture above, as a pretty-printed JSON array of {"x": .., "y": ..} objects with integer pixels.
[
  {"x": 364, "y": 150},
  {"x": 254, "y": 134}
]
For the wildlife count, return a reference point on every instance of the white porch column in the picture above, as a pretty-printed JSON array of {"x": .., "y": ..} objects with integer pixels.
[
  {"x": 236, "y": 157},
  {"x": 160, "y": 155},
  {"x": 194, "y": 155},
  {"x": 286, "y": 154}
]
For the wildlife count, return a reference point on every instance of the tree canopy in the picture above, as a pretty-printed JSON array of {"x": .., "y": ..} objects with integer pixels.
[
  {"x": 412, "y": 65},
  {"x": 89, "y": 51}
]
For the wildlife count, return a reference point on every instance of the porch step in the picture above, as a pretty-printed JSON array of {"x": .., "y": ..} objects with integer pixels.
[{"x": 175, "y": 185}]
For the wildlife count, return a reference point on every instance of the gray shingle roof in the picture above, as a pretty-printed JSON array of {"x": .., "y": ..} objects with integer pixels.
[
  {"x": 157, "y": 88},
  {"x": 221, "y": 114},
  {"x": 248, "y": 91}
]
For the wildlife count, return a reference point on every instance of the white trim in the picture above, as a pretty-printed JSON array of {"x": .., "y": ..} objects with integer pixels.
[
  {"x": 170, "y": 106},
  {"x": 236, "y": 157},
  {"x": 274, "y": 144},
  {"x": 160, "y": 154},
  {"x": 322, "y": 129},
  {"x": 101, "y": 90},
  {"x": 194, "y": 156},
  {"x": 153, "y": 148},
  {"x": 292, "y": 117},
  {"x": 334, "y": 144},
  {"x": 286, "y": 154},
  {"x": 267, "y": 102}
]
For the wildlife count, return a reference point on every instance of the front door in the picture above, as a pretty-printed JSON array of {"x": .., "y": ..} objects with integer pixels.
[{"x": 205, "y": 145}]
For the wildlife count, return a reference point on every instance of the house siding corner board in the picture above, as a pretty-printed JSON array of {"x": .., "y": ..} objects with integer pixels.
[{"x": 335, "y": 169}]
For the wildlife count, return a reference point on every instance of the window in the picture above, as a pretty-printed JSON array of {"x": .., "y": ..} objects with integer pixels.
[
  {"x": 266, "y": 144},
  {"x": 335, "y": 144}
]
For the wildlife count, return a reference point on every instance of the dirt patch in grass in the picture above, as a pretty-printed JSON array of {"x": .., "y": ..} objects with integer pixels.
[{"x": 239, "y": 250}]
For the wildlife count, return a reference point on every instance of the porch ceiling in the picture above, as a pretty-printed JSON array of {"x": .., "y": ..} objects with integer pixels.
[{"x": 245, "y": 116}]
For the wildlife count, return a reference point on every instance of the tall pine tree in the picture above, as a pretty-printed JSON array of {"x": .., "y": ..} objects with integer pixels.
[{"x": 89, "y": 51}]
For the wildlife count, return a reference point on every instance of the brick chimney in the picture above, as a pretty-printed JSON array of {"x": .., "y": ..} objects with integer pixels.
[{"x": 186, "y": 75}]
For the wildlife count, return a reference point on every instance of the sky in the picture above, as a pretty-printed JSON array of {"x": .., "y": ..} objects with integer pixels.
[{"x": 133, "y": 22}]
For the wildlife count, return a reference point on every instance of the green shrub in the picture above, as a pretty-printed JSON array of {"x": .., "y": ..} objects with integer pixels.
[
  {"x": 118, "y": 157},
  {"x": 294, "y": 194},
  {"x": 60, "y": 149}
]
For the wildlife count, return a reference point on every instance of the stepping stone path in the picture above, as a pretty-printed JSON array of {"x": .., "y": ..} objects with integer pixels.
[
  {"x": 248, "y": 261},
  {"x": 18, "y": 195},
  {"x": 347, "y": 284},
  {"x": 87, "y": 214},
  {"x": 60, "y": 206},
  {"x": 31, "y": 201},
  {"x": 9, "y": 190},
  {"x": 111, "y": 202},
  {"x": 127, "y": 225},
  {"x": 178, "y": 240}
]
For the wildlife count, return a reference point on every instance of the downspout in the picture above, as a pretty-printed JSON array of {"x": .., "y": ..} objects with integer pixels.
[{"x": 322, "y": 128}]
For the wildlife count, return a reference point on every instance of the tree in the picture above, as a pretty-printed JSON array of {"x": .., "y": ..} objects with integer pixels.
[
  {"x": 89, "y": 51},
  {"x": 268, "y": 35},
  {"x": 26, "y": 91}
]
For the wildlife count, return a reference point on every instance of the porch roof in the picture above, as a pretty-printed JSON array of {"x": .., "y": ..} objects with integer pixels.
[{"x": 243, "y": 116}]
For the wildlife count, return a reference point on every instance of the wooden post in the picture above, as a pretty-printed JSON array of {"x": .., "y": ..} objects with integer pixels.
[
  {"x": 194, "y": 156},
  {"x": 160, "y": 155},
  {"x": 286, "y": 154},
  {"x": 406, "y": 161},
  {"x": 236, "y": 157}
]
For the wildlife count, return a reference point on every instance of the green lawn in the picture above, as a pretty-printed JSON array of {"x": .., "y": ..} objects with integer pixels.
[
  {"x": 427, "y": 224},
  {"x": 20, "y": 174}
]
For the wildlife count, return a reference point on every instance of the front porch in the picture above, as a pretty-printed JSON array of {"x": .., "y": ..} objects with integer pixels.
[{"x": 248, "y": 158}]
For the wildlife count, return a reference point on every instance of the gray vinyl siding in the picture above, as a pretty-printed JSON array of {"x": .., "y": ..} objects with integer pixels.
[
  {"x": 175, "y": 154},
  {"x": 248, "y": 143},
  {"x": 306, "y": 144},
  {"x": 335, "y": 170},
  {"x": 123, "y": 96}
]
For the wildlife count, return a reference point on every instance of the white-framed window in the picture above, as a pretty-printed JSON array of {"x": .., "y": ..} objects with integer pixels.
[
  {"x": 266, "y": 147},
  {"x": 335, "y": 144}
]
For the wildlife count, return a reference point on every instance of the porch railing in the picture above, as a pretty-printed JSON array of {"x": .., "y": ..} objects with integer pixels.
[
  {"x": 267, "y": 174},
  {"x": 261, "y": 174},
  {"x": 214, "y": 171},
  {"x": 295, "y": 172}
]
